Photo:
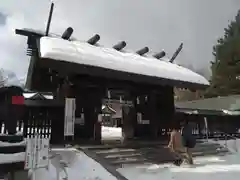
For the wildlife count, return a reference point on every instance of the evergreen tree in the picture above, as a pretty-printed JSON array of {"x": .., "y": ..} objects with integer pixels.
[{"x": 225, "y": 68}]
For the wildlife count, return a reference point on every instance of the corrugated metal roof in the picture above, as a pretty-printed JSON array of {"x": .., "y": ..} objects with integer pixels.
[
  {"x": 230, "y": 103},
  {"x": 208, "y": 112}
]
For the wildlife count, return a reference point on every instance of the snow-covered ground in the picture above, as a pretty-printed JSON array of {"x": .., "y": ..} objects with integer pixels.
[
  {"x": 109, "y": 133},
  {"x": 213, "y": 168},
  {"x": 80, "y": 167}
]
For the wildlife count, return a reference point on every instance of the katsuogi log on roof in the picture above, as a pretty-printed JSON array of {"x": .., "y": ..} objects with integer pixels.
[{"x": 102, "y": 61}]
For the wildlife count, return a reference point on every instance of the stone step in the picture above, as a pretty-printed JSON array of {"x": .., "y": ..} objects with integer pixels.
[
  {"x": 131, "y": 153},
  {"x": 119, "y": 157},
  {"x": 120, "y": 164},
  {"x": 116, "y": 151},
  {"x": 137, "y": 145},
  {"x": 124, "y": 162},
  {"x": 203, "y": 149},
  {"x": 139, "y": 160},
  {"x": 152, "y": 149},
  {"x": 113, "y": 156}
]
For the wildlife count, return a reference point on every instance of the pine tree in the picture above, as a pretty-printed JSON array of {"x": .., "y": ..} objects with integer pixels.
[{"x": 225, "y": 68}]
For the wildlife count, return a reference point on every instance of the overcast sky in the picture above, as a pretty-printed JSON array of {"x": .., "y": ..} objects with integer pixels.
[{"x": 158, "y": 24}]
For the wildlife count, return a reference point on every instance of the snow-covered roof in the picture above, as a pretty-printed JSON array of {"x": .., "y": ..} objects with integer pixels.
[
  {"x": 108, "y": 109},
  {"x": 86, "y": 54}
]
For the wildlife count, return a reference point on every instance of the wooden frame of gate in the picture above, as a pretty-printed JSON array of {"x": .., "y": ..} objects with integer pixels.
[{"x": 46, "y": 118}]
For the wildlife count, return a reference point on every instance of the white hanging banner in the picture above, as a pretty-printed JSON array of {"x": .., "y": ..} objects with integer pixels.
[{"x": 69, "y": 121}]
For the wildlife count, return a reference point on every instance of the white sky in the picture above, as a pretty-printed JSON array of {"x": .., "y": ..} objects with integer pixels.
[{"x": 158, "y": 24}]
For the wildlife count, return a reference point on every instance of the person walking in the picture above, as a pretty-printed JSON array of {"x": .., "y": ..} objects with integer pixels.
[
  {"x": 176, "y": 146},
  {"x": 189, "y": 141}
]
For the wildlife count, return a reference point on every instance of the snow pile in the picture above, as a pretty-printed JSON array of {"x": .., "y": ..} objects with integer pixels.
[
  {"x": 7, "y": 144},
  {"x": 8, "y": 158},
  {"x": 14, "y": 157},
  {"x": 111, "y": 133},
  {"x": 79, "y": 167}
]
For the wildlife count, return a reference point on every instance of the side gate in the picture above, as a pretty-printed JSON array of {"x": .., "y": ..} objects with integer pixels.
[{"x": 47, "y": 122}]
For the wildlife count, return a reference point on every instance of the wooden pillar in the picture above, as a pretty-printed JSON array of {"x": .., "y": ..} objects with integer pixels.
[
  {"x": 79, "y": 131},
  {"x": 92, "y": 99},
  {"x": 90, "y": 119},
  {"x": 127, "y": 128},
  {"x": 200, "y": 125},
  {"x": 129, "y": 119},
  {"x": 56, "y": 115},
  {"x": 153, "y": 114},
  {"x": 161, "y": 109},
  {"x": 141, "y": 108}
]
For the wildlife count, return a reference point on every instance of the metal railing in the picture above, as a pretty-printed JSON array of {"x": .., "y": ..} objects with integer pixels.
[{"x": 228, "y": 137}]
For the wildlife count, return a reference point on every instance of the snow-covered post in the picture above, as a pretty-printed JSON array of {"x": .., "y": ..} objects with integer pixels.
[
  {"x": 37, "y": 154},
  {"x": 57, "y": 173},
  {"x": 206, "y": 127}
]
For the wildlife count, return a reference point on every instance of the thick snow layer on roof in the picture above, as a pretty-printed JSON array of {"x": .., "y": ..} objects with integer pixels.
[{"x": 86, "y": 54}]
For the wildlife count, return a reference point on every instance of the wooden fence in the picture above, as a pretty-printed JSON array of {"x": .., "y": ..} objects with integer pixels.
[{"x": 48, "y": 122}]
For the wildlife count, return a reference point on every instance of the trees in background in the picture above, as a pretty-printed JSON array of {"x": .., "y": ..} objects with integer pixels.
[
  {"x": 225, "y": 68},
  {"x": 8, "y": 78}
]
